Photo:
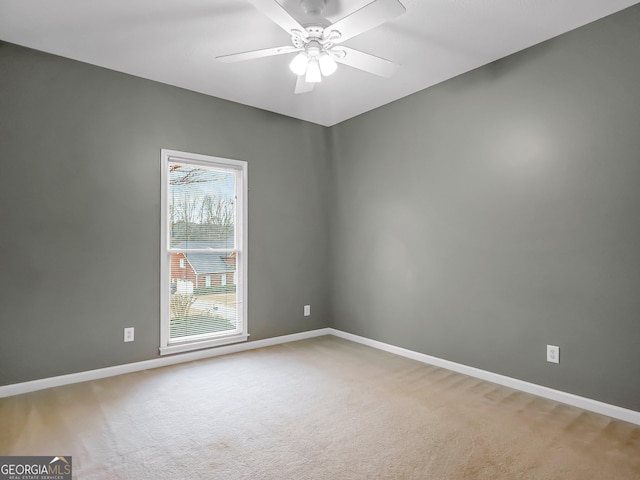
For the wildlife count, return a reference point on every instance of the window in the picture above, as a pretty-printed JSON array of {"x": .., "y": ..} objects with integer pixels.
[{"x": 203, "y": 238}]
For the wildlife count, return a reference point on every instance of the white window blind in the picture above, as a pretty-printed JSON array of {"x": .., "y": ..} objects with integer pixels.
[{"x": 203, "y": 248}]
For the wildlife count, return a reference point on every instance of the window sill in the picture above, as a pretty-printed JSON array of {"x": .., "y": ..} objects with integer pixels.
[{"x": 198, "y": 345}]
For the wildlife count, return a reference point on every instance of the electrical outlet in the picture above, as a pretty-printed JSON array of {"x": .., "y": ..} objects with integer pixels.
[
  {"x": 553, "y": 354},
  {"x": 128, "y": 334},
  {"x": 307, "y": 310}
]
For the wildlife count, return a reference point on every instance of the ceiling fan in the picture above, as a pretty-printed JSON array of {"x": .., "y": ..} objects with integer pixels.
[{"x": 318, "y": 45}]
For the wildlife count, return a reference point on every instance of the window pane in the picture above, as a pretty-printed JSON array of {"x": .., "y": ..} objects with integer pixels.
[
  {"x": 202, "y": 209},
  {"x": 203, "y": 295}
]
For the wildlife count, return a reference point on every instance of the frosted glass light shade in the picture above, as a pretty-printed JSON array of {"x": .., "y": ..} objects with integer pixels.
[
  {"x": 299, "y": 64},
  {"x": 327, "y": 64},
  {"x": 313, "y": 72}
]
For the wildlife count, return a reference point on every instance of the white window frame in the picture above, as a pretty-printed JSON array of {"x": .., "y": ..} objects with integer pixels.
[{"x": 168, "y": 346}]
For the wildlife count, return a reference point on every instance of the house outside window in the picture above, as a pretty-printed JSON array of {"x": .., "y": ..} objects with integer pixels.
[{"x": 203, "y": 241}]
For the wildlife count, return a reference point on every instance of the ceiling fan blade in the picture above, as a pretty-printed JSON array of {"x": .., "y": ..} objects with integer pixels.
[
  {"x": 302, "y": 86},
  {"x": 279, "y": 15},
  {"x": 266, "y": 52},
  {"x": 368, "y": 17},
  {"x": 368, "y": 63}
]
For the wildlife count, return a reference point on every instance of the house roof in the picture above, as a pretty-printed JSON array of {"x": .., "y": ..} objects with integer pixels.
[
  {"x": 208, "y": 263},
  {"x": 203, "y": 263}
]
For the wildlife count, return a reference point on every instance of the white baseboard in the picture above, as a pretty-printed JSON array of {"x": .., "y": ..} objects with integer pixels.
[
  {"x": 602, "y": 408},
  {"x": 25, "y": 387},
  {"x": 613, "y": 411}
]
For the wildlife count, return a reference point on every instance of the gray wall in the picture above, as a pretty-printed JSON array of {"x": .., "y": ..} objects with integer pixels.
[
  {"x": 488, "y": 216},
  {"x": 80, "y": 211}
]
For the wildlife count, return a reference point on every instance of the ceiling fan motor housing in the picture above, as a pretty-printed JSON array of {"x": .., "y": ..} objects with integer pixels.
[
  {"x": 316, "y": 41},
  {"x": 313, "y": 7}
]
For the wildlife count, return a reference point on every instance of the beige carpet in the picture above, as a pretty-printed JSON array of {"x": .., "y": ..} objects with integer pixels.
[{"x": 323, "y": 408}]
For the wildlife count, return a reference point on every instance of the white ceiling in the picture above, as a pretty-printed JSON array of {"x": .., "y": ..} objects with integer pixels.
[{"x": 176, "y": 42}]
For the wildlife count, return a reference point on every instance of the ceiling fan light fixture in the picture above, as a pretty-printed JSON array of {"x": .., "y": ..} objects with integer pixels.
[
  {"x": 313, "y": 72},
  {"x": 317, "y": 46},
  {"x": 299, "y": 64},
  {"x": 327, "y": 64}
]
